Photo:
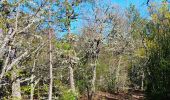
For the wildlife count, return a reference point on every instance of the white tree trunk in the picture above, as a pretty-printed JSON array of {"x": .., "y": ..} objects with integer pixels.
[
  {"x": 32, "y": 91},
  {"x": 51, "y": 70},
  {"x": 32, "y": 80},
  {"x": 71, "y": 72},
  {"x": 16, "y": 88},
  {"x": 50, "y": 59},
  {"x": 33, "y": 88}
]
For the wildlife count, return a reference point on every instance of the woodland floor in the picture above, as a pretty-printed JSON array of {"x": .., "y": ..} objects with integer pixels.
[{"x": 135, "y": 95}]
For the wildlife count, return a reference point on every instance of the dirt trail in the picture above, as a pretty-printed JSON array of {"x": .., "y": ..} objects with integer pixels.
[{"x": 135, "y": 95}]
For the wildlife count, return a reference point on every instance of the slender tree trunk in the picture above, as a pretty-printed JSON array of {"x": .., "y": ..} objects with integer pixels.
[
  {"x": 16, "y": 88},
  {"x": 93, "y": 80},
  {"x": 117, "y": 73},
  {"x": 33, "y": 83},
  {"x": 142, "y": 84},
  {"x": 72, "y": 78},
  {"x": 51, "y": 68},
  {"x": 32, "y": 80},
  {"x": 93, "y": 83},
  {"x": 51, "y": 76},
  {"x": 38, "y": 92},
  {"x": 33, "y": 88},
  {"x": 50, "y": 58},
  {"x": 71, "y": 71}
]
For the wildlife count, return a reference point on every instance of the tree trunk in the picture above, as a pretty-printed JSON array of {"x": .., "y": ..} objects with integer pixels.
[
  {"x": 117, "y": 74},
  {"x": 50, "y": 59},
  {"x": 33, "y": 85},
  {"x": 71, "y": 72},
  {"x": 71, "y": 78},
  {"x": 142, "y": 84},
  {"x": 32, "y": 91},
  {"x": 51, "y": 69},
  {"x": 93, "y": 81},
  {"x": 32, "y": 80},
  {"x": 16, "y": 88}
]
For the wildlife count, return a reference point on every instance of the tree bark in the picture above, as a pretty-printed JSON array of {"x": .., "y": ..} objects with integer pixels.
[
  {"x": 117, "y": 73},
  {"x": 93, "y": 80},
  {"x": 142, "y": 84},
  {"x": 32, "y": 80},
  {"x": 16, "y": 88},
  {"x": 50, "y": 58},
  {"x": 32, "y": 89},
  {"x": 71, "y": 72},
  {"x": 51, "y": 69},
  {"x": 71, "y": 78}
]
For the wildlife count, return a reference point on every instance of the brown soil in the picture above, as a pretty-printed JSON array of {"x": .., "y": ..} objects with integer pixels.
[{"x": 134, "y": 95}]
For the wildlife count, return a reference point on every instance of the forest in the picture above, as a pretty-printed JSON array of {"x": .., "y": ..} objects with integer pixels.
[{"x": 84, "y": 50}]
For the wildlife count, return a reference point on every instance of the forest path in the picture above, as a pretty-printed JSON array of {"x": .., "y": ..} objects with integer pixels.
[{"x": 135, "y": 95}]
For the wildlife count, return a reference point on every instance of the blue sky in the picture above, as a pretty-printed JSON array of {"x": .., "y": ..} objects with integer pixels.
[
  {"x": 77, "y": 25},
  {"x": 140, "y": 5}
]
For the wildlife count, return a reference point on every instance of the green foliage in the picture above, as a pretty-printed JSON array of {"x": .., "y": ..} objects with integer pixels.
[
  {"x": 108, "y": 78},
  {"x": 158, "y": 66},
  {"x": 66, "y": 46},
  {"x": 150, "y": 52},
  {"x": 63, "y": 45},
  {"x": 83, "y": 76},
  {"x": 64, "y": 91},
  {"x": 68, "y": 95},
  {"x": 108, "y": 83},
  {"x": 137, "y": 57},
  {"x": 26, "y": 89}
]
